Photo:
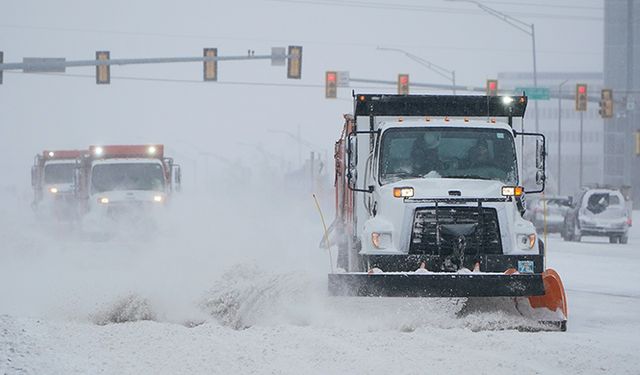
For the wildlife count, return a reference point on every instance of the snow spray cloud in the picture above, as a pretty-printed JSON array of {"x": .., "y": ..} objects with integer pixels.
[{"x": 53, "y": 271}]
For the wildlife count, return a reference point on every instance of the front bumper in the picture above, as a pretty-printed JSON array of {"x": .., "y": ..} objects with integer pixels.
[
  {"x": 602, "y": 230},
  {"x": 488, "y": 262}
]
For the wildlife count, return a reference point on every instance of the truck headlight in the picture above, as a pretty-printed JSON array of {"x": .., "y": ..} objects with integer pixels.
[
  {"x": 103, "y": 200},
  {"x": 526, "y": 241},
  {"x": 158, "y": 198},
  {"x": 381, "y": 240},
  {"x": 53, "y": 190},
  {"x": 403, "y": 192}
]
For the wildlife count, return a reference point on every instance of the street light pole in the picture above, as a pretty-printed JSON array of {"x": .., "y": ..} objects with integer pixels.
[
  {"x": 560, "y": 135},
  {"x": 527, "y": 28},
  {"x": 443, "y": 72}
]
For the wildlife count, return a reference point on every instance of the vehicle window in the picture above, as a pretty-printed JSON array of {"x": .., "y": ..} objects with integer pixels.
[
  {"x": 127, "y": 176},
  {"x": 614, "y": 200},
  {"x": 447, "y": 153},
  {"x": 59, "y": 173},
  {"x": 598, "y": 202}
]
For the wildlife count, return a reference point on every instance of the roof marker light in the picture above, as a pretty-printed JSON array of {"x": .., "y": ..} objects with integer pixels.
[
  {"x": 98, "y": 151},
  {"x": 507, "y": 100},
  {"x": 427, "y": 119},
  {"x": 51, "y": 154},
  {"x": 466, "y": 119},
  {"x": 151, "y": 150},
  {"x": 446, "y": 118}
]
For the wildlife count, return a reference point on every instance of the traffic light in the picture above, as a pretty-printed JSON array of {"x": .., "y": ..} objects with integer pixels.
[
  {"x": 210, "y": 68},
  {"x": 103, "y": 72},
  {"x": 331, "y": 85},
  {"x": 492, "y": 87},
  {"x": 606, "y": 103},
  {"x": 581, "y": 97},
  {"x": 294, "y": 62},
  {"x": 403, "y": 84}
]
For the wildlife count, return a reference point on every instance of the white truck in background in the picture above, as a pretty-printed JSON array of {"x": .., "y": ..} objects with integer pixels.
[{"x": 113, "y": 181}]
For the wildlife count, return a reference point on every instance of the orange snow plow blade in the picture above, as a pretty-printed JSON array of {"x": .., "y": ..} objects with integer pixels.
[{"x": 554, "y": 297}]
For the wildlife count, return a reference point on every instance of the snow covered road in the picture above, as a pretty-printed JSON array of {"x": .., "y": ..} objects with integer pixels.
[{"x": 246, "y": 313}]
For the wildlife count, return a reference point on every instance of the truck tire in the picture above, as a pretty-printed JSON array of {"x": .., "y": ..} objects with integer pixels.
[
  {"x": 624, "y": 239},
  {"x": 613, "y": 239}
]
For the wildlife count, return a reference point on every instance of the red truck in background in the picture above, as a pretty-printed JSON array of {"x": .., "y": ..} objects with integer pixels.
[{"x": 52, "y": 179}]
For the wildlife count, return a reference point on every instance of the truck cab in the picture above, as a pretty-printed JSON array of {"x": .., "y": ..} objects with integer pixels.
[
  {"x": 416, "y": 159},
  {"x": 52, "y": 179},
  {"x": 119, "y": 179}
]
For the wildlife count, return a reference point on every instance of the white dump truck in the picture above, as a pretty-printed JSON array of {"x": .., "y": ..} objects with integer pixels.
[{"x": 429, "y": 203}]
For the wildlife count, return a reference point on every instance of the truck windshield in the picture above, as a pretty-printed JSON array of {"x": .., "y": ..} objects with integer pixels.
[
  {"x": 127, "y": 176},
  {"x": 474, "y": 153},
  {"x": 59, "y": 173}
]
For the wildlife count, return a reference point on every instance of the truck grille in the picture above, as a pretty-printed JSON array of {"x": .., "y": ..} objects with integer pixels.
[{"x": 425, "y": 238}]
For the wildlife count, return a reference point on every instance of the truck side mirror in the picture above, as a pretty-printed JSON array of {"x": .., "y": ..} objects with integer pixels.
[
  {"x": 177, "y": 177},
  {"x": 352, "y": 160},
  {"x": 34, "y": 177},
  {"x": 540, "y": 177},
  {"x": 540, "y": 163},
  {"x": 540, "y": 154}
]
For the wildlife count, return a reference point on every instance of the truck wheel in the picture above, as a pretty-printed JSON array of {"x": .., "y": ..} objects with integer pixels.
[
  {"x": 613, "y": 239},
  {"x": 624, "y": 239}
]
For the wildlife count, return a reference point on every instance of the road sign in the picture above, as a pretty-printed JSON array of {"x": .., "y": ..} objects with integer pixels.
[
  {"x": 343, "y": 79},
  {"x": 44, "y": 64},
  {"x": 278, "y": 56},
  {"x": 534, "y": 93}
]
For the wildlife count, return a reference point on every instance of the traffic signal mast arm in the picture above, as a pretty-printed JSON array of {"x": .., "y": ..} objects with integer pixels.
[{"x": 47, "y": 65}]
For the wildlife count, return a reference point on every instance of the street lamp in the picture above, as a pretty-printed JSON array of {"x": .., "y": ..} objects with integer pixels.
[
  {"x": 527, "y": 28},
  {"x": 448, "y": 74}
]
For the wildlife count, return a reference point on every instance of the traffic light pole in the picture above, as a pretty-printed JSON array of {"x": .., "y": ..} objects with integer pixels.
[
  {"x": 581, "y": 147},
  {"x": 278, "y": 56}
]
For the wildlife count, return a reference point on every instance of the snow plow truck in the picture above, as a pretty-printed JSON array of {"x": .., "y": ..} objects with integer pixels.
[
  {"x": 429, "y": 203},
  {"x": 52, "y": 181},
  {"x": 117, "y": 180}
]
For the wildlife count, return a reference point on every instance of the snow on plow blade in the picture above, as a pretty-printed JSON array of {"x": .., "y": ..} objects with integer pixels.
[{"x": 435, "y": 285}]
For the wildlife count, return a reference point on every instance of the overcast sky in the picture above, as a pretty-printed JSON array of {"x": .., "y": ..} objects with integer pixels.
[{"x": 193, "y": 117}]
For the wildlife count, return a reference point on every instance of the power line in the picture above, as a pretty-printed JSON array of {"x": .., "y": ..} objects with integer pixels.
[
  {"x": 428, "y": 9},
  {"x": 547, "y": 5},
  {"x": 318, "y": 42}
]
